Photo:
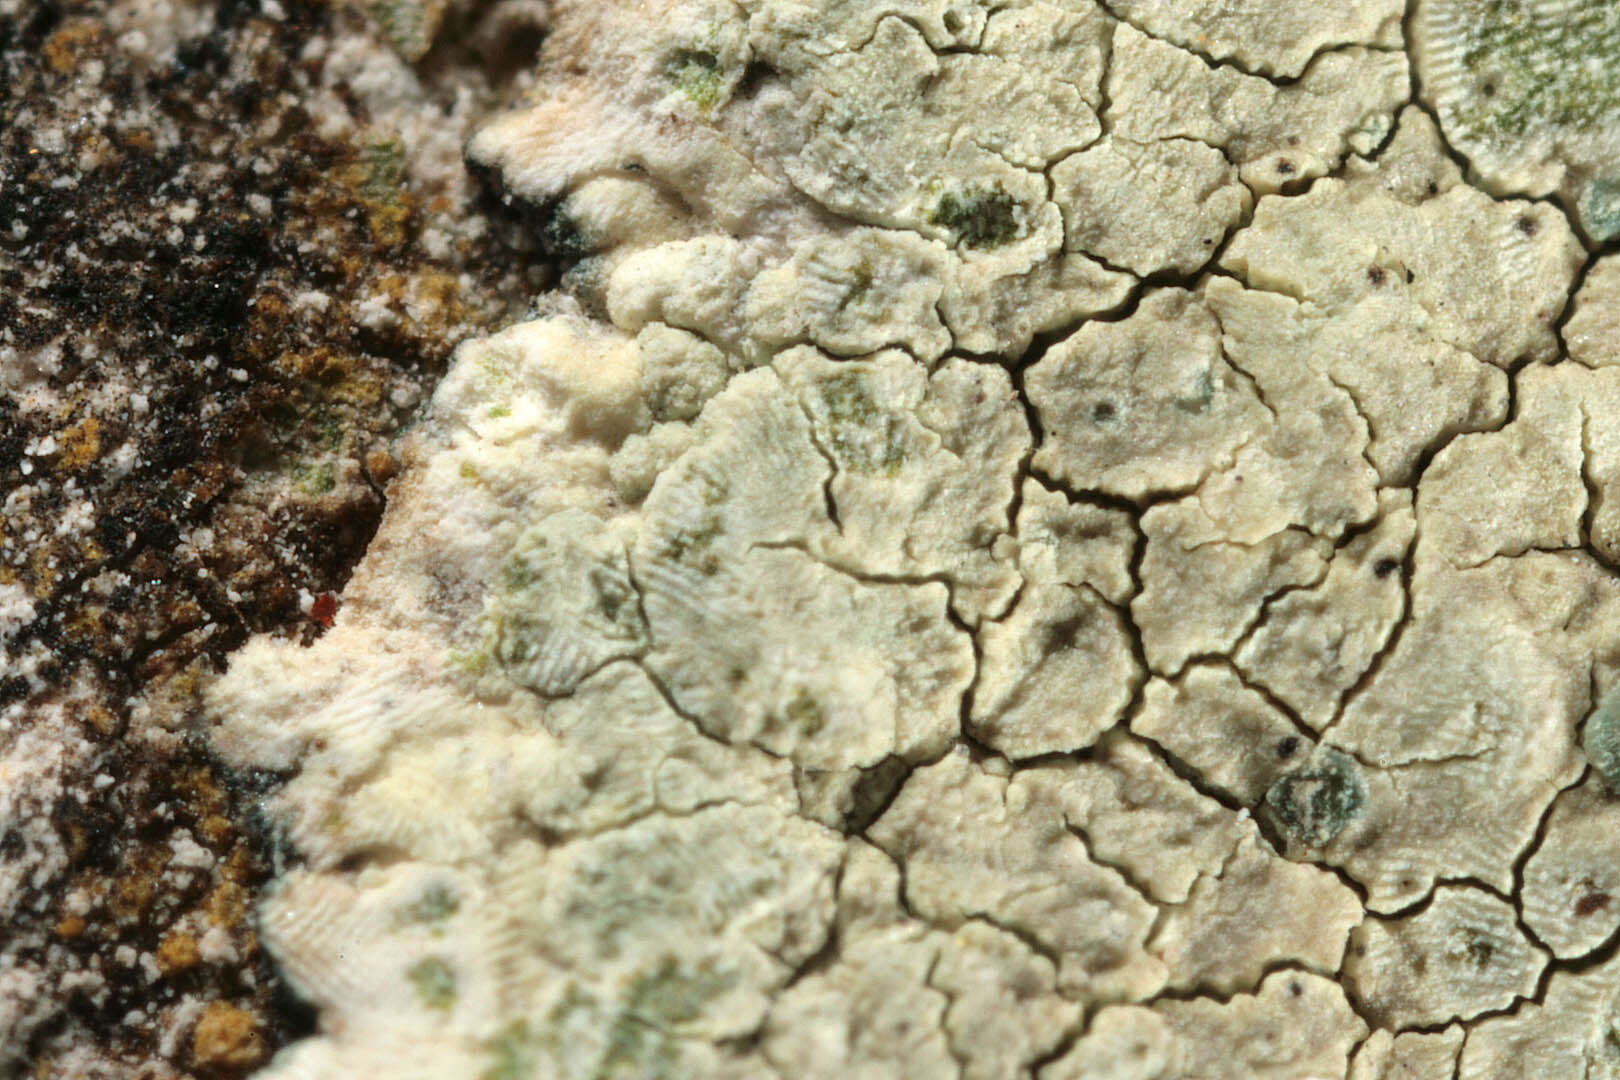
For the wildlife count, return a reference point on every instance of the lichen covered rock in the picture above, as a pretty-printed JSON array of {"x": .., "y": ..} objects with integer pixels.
[{"x": 1044, "y": 540}]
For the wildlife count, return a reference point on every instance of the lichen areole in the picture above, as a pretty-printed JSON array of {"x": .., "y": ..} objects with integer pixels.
[
  {"x": 980, "y": 217},
  {"x": 1602, "y": 740},
  {"x": 1316, "y": 802}
]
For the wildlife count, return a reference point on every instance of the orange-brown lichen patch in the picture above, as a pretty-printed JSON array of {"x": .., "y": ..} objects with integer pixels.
[
  {"x": 44, "y": 569},
  {"x": 381, "y": 465},
  {"x": 228, "y": 904},
  {"x": 100, "y": 719},
  {"x": 85, "y": 626},
  {"x": 65, "y": 49},
  {"x": 132, "y": 893},
  {"x": 227, "y": 1038},
  {"x": 178, "y": 953},
  {"x": 377, "y": 182},
  {"x": 81, "y": 443},
  {"x": 217, "y": 830},
  {"x": 438, "y": 301},
  {"x": 70, "y": 926},
  {"x": 169, "y": 253},
  {"x": 91, "y": 551}
]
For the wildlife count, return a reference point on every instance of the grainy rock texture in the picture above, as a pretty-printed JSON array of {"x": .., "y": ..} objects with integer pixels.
[
  {"x": 1042, "y": 539},
  {"x": 237, "y": 245}
]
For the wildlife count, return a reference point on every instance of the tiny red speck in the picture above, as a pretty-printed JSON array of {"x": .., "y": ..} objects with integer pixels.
[{"x": 324, "y": 608}]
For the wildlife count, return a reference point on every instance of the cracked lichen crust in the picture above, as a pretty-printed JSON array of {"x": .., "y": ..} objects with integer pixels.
[
  {"x": 1571, "y": 891},
  {"x": 1277, "y": 38},
  {"x": 1041, "y": 540},
  {"x": 1459, "y": 957},
  {"x": 1529, "y": 90},
  {"x": 1593, "y": 330}
]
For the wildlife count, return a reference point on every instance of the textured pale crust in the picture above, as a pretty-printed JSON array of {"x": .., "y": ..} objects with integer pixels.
[
  {"x": 1051, "y": 542},
  {"x": 1527, "y": 89}
]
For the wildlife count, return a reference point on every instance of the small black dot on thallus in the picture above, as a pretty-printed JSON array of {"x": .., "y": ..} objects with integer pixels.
[
  {"x": 1285, "y": 167},
  {"x": 1287, "y": 745},
  {"x": 1385, "y": 567}
]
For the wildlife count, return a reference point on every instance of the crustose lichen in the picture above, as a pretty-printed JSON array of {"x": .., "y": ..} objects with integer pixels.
[
  {"x": 980, "y": 217},
  {"x": 1602, "y": 740},
  {"x": 695, "y": 73},
  {"x": 1315, "y": 803}
]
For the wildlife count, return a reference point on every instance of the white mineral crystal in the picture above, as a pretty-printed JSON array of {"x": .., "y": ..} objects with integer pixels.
[{"x": 1042, "y": 539}]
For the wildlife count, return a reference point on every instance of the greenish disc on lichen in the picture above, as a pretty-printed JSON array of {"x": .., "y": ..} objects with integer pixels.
[
  {"x": 1314, "y": 803},
  {"x": 511, "y": 1054},
  {"x": 435, "y": 983},
  {"x": 980, "y": 217},
  {"x": 562, "y": 236},
  {"x": 1600, "y": 207},
  {"x": 864, "y": 437},
  {"x": 1602, "y": 740},
  {"x": 434, "y": 907},
  {"x": 696, "y": 73}
]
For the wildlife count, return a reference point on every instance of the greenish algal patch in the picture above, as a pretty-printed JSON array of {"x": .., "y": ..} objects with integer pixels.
[
  {"x": 613, "y": 592},
  {"x": 331, "y": 426},
  {"x": 468, "y": 471},
  {"x": 1601, "y": 740},
  {"x": 511, "y": 1054},
  {"x": 1478, "y": 947},
  {"x": 697, "y": 74},
  {"x": 435, "y": 983},
  {"x": 863, "y": 436},
  {"x": 860, "y": 285},
  {"x": 1600, "y": 208},
  {"x": 714, "y": 489},
  {"x": 402, "y": 23},
  {"x": 317, "y": 479},
  {"x": 1533, "y": 71},
  {"x": 499, "y": 412},
  {"x": 804, "y": 712},
  {"x": 691, "y": 544},
  {"x": 471, "y": 662},
  {"x": 435, "y": 906},
  {"x": 1316, "y": 802},
  {"x": 519, "y": 572},
  {"x": 640, "y": 1040},
  {"x": 1203, "y": 392},
  {"x": 384, "y": 164},
  {"x": 496, "y": 368},
  {"x": 562, "y": 236},
  {"x": 980, "y": 217}
]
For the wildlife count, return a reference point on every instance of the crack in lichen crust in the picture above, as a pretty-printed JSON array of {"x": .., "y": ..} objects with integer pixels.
[{"x": 909, "y": 607}]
